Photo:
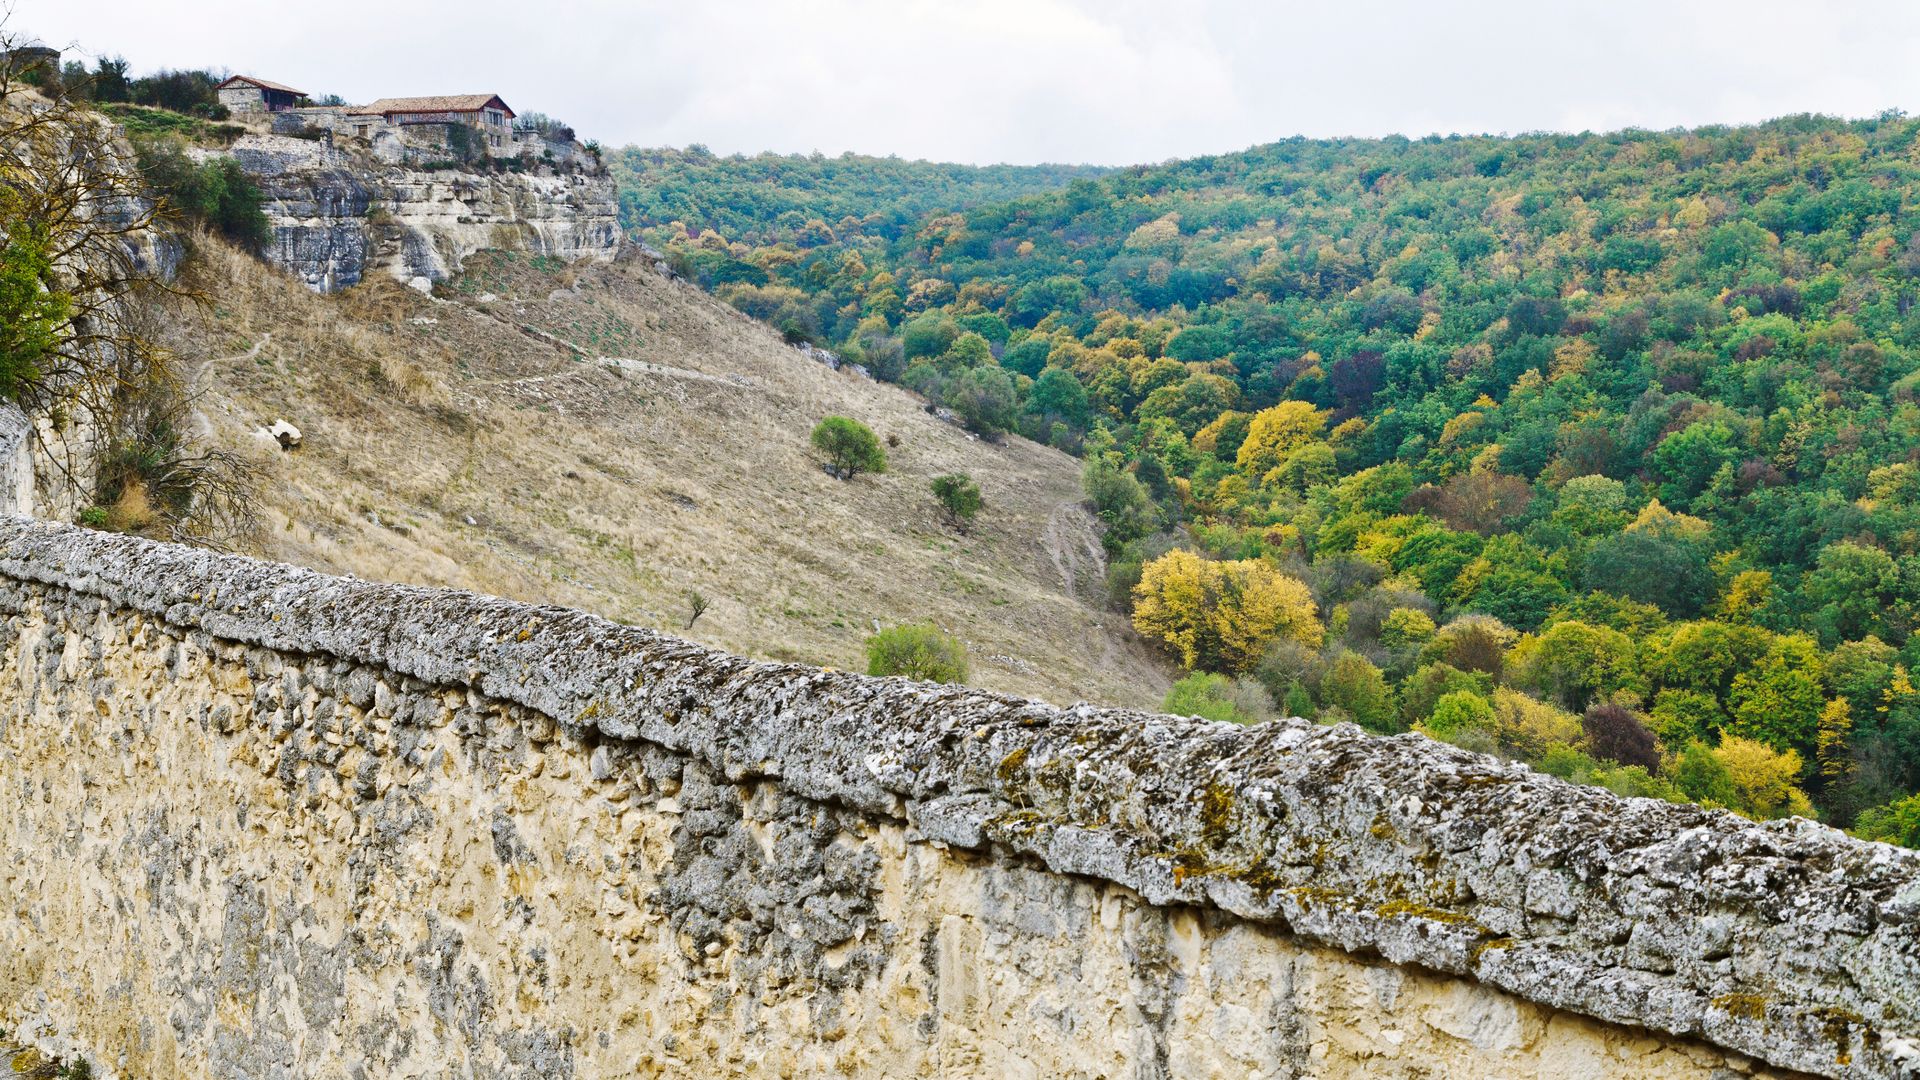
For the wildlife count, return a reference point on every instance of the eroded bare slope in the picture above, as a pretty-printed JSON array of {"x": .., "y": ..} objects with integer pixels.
[{"x": 606, "y": 438}]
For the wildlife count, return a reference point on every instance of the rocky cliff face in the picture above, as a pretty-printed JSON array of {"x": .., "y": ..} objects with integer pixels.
[
  {"x": 339, "y": 216},
  {"x": 16, "y": 461}
]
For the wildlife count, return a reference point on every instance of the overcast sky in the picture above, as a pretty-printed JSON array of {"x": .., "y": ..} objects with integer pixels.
[{"x": 1104, "y": 81}]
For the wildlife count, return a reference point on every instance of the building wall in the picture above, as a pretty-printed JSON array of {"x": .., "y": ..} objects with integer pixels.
[
  {"x": 243, "y": 99},
  {"x": 255, "y": 821}
]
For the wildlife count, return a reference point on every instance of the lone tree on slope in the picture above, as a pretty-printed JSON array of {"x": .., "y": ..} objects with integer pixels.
[{"x": 849, "y": 446}]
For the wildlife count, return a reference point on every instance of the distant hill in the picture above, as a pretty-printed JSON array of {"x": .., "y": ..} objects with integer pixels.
[{"x": 813, "y": 199}]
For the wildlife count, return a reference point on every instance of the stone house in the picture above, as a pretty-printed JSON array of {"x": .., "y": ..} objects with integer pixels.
[
  {"x": 433, "y": 119},
  {"x": 246, "y": 94},
  {"x": 435, "y": 131}
]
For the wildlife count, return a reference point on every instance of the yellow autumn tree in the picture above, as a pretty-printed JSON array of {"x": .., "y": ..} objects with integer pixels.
[
  {"x": 1528, "y": 726},
  {"x": 1571, "y": 359},
  {"x": 1274, "y": 433},
  {"x": 1899, "y": 691},
  {"x": 1836, "y": 728},
  {"x": 1226, "y": 425},
  {"x": 1220, "y": 616},
  {"x": 1763, "y": 778},
  {"x": 1746, "y": 594},
  {"x": 1660, "y": 521}
]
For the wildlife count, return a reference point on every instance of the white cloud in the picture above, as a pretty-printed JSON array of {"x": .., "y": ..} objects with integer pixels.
[{"x": 1030, "y": 80}]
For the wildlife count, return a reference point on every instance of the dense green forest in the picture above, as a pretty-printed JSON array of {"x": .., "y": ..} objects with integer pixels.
[
  {"x": 812, "y": 201},
  {"x": 1598, "y": 451}
]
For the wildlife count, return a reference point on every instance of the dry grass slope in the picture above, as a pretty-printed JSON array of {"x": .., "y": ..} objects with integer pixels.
[{"x": 609, "y": 439}]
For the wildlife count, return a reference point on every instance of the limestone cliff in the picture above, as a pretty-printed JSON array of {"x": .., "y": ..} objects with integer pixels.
[
  {"x": 339, "y": 215},
  {"x": 16, "y": 461}
]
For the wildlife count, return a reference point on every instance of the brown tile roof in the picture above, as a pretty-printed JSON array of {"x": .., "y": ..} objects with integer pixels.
[
  {"x": 439, "y": 104},
  {"x": 262, "y": 84}
]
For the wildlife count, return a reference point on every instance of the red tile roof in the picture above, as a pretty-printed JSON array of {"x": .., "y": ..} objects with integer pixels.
[
  {"x": 263, "y": 84},
  {"x": 444, "y": 103}
]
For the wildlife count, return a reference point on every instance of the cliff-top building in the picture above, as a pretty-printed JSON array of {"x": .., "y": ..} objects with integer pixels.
[
  {"x": 246, "y": 94},
  {"x": 484, "y": 113},
  {"x": 435, "y": 129}
]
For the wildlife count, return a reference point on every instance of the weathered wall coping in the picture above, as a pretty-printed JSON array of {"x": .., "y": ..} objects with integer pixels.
[{"x": 1787, "y": 941}]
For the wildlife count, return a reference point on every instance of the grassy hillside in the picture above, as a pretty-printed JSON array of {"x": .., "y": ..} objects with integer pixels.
[
  {"x": 609, "y": 439},
  {"x": 1634, "y": 412}
]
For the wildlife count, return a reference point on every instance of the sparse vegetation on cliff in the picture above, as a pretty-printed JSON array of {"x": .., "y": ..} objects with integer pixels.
[
  {"x": 84, "y": 263},
  {"x": 32, "y": 317},
  {"x": 74, "y": 219},
  {"x": 215, "y": 193}
]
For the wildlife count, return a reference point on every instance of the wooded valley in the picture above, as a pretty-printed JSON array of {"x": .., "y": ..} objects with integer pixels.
[{"x": 1598, "y": 451}]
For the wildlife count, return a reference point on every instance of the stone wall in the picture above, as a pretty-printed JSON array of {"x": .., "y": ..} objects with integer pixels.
[
  {"x": 243, "y": 99},
  {"x": 255, "y": 821},
  {"x": 338, "y": 215}
]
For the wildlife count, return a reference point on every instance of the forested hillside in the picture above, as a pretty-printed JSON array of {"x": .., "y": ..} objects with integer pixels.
[
  {"x": 1598, "y": 451},
  {"x": 812, "y": 200}
]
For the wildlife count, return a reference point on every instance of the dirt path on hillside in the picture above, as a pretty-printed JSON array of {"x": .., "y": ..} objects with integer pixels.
[
  {"x": 1074, "y": 550},
  {"x": 201, "y": 382}
]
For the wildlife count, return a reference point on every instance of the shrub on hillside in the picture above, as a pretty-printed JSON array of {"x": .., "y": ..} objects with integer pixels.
[
  {"x": 1354, "y": 687},
  {"x": 1121, "y": 503},
  {"x": 216, "y": 193},
  {"x": 1216, "y": 697},
  {"x": 1614, "y": 733},
  {"x": 984, "y": 399},
  {"x": 917, "y": 651},
  {"x": 849, "y": 446},
  {"x": 959, "y": 498},
  {"x": 1456, "y": 712},
  {"x": 1895, "y": 823}
]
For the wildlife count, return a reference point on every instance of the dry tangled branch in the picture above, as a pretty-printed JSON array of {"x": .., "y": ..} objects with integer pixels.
[{"x": 86, "y": 256}]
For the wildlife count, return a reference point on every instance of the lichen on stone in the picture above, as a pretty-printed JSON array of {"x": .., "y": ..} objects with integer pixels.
[{"x": 741, "y": 775}]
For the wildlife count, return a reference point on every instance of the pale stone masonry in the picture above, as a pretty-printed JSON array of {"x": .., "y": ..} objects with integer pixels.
[
  {"x": 256, "y": 821},
  {"x": 249, "y": 94}
]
